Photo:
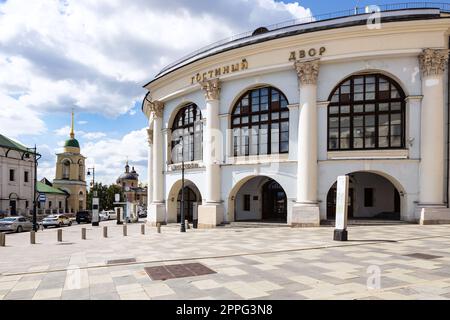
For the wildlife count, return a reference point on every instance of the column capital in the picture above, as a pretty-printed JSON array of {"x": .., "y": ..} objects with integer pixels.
[
  {"x": 433, "y": 61},
  {"x": 154, "y": 107},
  {"x": 307, "y": 71},
  {"x": 211, "y": 89},
  {"x": 150, "y": 136}
]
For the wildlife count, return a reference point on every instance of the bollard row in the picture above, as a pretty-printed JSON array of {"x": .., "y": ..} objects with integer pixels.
[{"x": 59, "y": 233}]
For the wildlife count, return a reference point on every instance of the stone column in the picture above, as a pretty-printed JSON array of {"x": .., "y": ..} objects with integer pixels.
[
  {"x": 211, "y": 213},
  {"x": 156, "y": 207},
  {"x": 305, "y": 212},
  {"x": 149, "y": 168},
  {"x": 431, "y": 208}
]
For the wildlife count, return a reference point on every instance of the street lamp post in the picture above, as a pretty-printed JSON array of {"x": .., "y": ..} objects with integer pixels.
[
  {"x": 183, "y": 225},
  {"x": 93, "y": 175},
  {"x": 94, "y": 203},
  {"x": 35, "y": 195}
]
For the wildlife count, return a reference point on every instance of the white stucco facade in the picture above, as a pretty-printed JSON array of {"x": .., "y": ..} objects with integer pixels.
[{"x": 417, "y": 170}]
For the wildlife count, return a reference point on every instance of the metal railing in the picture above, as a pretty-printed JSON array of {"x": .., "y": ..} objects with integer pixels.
[{"x": 444, "y": 7}]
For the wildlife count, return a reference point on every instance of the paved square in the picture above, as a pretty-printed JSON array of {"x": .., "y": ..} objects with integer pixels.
[{"x": 402, "y": 261}]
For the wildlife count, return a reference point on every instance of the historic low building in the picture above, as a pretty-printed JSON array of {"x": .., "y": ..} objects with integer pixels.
[
  {"x": 134, "y": 192},
  {"x": 265, "y": 123},
  {"x": 55, "y": 199},
  {"x": 70, "y": 173},
  {"x": 17, "y": 166}
]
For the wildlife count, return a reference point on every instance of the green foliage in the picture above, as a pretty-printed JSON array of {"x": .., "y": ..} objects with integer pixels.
[{"x": 106, "y": 195}]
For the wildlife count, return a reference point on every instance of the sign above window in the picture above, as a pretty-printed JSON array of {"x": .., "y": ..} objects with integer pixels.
[
  {"x": 219, "y": 71},
  {"x": 310, "y": 53}
]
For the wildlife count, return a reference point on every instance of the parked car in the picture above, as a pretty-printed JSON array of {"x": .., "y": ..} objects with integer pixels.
[
  {"x": 15, "y": 224},
  {"x": 83, "y": 216},
  {"x": 108, "y": 215},
  {"x": 142, "y": 213},
  {"x": 56, "y": 220}
]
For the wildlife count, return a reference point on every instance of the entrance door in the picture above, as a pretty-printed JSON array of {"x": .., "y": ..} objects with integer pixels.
[
  {"x": 189, "y": 199},
  {"x": 274, "y": 202},
  {"x": 13, "y": 206},
  {"x": 331, "y": 204}
]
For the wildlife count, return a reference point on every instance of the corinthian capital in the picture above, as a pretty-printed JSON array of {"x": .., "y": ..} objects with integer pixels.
[
  {"x": 157, "y": 108},
  {"x": 211, "y": 89},
  {"x": 307, "y": 71},
  {"x": 433, "y": 61}
]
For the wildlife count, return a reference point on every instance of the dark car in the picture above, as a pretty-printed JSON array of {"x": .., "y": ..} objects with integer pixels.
[{"x": 83, "y": 216}]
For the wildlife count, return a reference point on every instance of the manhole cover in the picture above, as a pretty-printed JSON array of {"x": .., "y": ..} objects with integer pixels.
[
  {"x": 422, "y": 256},
  {"x": 117, "y": 261},
  {"x": 177, "y": 271}
]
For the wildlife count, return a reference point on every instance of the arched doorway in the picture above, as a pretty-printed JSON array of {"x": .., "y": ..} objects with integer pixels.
[
  {"x": 192, "y": 199},
  {"x": 370, "y": 196},
  {"x": 190, "y": 205},
  {"x": 260, "y": 199}
]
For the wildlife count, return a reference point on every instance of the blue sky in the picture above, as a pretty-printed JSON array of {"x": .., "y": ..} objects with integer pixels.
[{"x": 95, "y": 56}]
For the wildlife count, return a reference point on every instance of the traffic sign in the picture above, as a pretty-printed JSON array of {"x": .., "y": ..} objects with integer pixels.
[{"x": 42, "y": 197}]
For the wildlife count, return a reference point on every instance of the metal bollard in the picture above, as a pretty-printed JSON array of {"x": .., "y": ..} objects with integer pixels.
[
  {"x": 83, "y": 233},
  {"x": 124, "y": 230},
  {"x": 2, "y": 239},
  {"x": 187, "y": 224},
  {"x": 59, "y": 235},
  {"x": 158, "y": 227},
  {"x": 105, "y": 232},
  {"x": 32, "y": 237},
  {"x": 142, "y": 228}
]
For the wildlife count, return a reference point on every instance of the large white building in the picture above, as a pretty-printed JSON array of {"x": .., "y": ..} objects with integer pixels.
[{"x": 269, "y": 120}]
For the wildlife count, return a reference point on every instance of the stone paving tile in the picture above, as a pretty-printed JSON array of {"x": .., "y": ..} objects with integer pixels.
[
  {"x": 77, "y": 294},
  {"x": 257, "y": 269},
  {"x": 20, "y": 295}
]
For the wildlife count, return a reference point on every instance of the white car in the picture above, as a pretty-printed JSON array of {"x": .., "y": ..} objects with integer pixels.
[
  {"x": 57, "y": 220},
  {"x": 15, "y": 224},
  {"x": 108, "y": 215}
]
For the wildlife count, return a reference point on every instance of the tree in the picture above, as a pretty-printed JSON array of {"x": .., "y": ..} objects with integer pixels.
[{"x": 106, "y": 195}]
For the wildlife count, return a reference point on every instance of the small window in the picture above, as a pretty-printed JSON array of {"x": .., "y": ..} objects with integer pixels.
[
  {"x": 26, "y": 204},
  {"x": 26, "y": 176},
  {"x": 60, "y": 205},
  {"x": 11, "y": 175},
  {"x": 49, "y": 204},
  {"x": 368, "y": 197},
  {"x": 246, "y": 202}
]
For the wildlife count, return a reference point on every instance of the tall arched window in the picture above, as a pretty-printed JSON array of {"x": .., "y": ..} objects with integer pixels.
[
  {"x": 366, "y": 112},
  {"x": 260, "y": 123},
  {"x": 188, "y": 127},
  {"x": 66, "y": 169}
]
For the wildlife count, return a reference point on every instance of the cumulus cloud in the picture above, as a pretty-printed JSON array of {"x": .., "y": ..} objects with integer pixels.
[
  {"x": 64, "y": 131},
  {"x": 94, "y": 57},
  {"x": 109, "y": 156}
]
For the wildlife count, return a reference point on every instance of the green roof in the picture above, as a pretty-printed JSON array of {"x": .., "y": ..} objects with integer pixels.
[
  {"x": 43, "y": 188},
  {"x": 72, "y": 143},
  {"x": 10, "y": 144}
]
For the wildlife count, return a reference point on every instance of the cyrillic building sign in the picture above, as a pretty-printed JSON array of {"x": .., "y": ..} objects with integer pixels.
[
  {"x": 217, "y": 72},
  {"x": 294, "y": 55}
]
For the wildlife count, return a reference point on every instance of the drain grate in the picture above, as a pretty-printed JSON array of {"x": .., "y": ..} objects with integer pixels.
[
  {"x": 422, "y": 256},
  {"x": 118, "y": 261},
  {"x": 65, "y": 243},
  {"x": 177, "y": 271}
]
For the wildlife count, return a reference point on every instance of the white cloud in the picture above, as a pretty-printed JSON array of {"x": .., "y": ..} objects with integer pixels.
[
  {"x": 64, "y": 132},
  {"x": 82, "y": 122},
  {"x": 95, "y": 56},
  {"x": 109, "y": 156}
]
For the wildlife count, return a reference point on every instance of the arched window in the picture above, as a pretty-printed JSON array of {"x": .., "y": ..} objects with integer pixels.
[
  {"x": 188, "y": 127},
  {"x": 260, "y": 123},
  {"x": 66, "y": 169},
  {"x": 366, "y": 112}
]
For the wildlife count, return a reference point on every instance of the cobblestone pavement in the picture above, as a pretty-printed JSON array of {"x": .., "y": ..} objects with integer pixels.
[{"x": 250, "y": 263}]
